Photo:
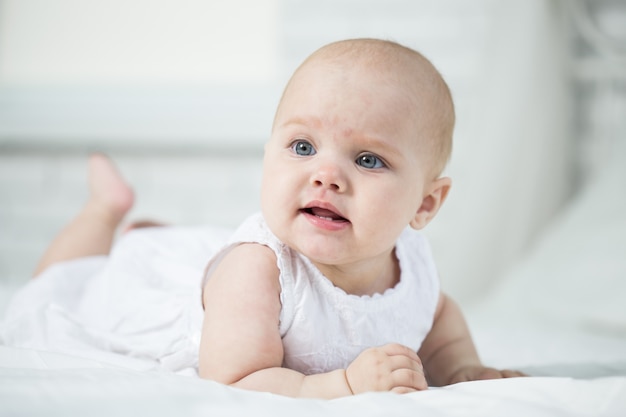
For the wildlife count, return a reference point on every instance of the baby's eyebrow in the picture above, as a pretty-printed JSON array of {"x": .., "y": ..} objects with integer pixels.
[
  {"x": 303, "y": 121},
  {"x": 376, "y": 144}
]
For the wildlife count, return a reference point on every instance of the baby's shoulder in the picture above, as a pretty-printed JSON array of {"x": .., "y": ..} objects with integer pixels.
[
  {"x": 251, "y": 257},
  {"x": 245, "y": 267}
]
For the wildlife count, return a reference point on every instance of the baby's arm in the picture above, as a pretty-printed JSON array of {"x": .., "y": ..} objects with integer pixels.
[
  {"x": 448, "y": 352},
  {"x": 241, "y": 343}
]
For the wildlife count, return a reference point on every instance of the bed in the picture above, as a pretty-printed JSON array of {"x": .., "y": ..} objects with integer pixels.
[
  {"x": 559, "y": 315},
  {"x": 40, "y": 383}
]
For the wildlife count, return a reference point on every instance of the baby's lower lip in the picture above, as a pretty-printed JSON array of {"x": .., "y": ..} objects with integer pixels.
[
  {"x": 324, "y": 214},
  {"x": 324, "y": 222}
]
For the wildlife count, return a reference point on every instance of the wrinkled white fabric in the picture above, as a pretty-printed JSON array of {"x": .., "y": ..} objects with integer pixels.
[
  {"x": 44, "y": 384},
  {"x": 140, "y": 306},
  {"x": 322, "y": 327}
]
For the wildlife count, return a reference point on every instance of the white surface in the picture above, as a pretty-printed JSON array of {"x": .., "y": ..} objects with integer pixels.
[
  {"x": 37, "y": 383},
  {"x": 140, "y": 305},
  {"x": 137, "y": 41},
  {"x": 511, "y": 169},
  {"x": 573, "y": 283}
]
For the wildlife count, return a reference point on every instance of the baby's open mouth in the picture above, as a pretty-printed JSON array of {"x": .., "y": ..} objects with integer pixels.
[{"x": 324, "y": 214}]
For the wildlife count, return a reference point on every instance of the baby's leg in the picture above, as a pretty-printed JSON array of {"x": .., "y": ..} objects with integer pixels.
[{"x": 91, "y": 232}]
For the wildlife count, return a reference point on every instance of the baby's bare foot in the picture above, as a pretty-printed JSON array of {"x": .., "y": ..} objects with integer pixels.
[{"x": 109, "y": 192}]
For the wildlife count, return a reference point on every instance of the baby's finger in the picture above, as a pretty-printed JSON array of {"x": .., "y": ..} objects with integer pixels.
[
  {"x": 404, "y": 362},
  {"x": 403, "y": 390},
  {"x": 395, "y": 349},
  {"x": 408, "y": 378},
  {"x": 507, "y": 373}
]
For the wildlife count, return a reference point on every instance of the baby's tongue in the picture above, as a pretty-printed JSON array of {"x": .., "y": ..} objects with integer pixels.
[{"x": 320, "y": 212}]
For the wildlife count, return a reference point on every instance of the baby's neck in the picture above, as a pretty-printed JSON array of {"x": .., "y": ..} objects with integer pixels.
[{"x": 364, "y": 278}]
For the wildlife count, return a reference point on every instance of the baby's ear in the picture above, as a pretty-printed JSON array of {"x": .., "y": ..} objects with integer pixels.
[{"x": 434, "y": 196}]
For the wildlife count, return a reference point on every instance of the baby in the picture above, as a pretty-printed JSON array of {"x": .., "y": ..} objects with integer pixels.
[{"x": 330, "y": 291}]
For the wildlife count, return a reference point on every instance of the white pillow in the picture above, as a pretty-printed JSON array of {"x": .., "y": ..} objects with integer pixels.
[{"x": 576, "y": 273}]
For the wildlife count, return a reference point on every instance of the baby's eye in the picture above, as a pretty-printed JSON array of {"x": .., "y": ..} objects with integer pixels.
[
  {"x": 303, "y": 148},
  {"x": 370, "y": 161}
]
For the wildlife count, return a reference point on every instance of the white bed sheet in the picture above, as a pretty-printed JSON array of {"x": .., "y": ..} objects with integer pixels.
[{"x": 42, "y": 383}]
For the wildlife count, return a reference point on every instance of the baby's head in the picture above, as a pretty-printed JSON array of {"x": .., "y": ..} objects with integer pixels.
[{"x": 362, "y": 132}]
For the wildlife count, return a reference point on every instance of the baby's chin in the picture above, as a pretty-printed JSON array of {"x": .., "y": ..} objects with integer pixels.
[
  {"x": 323, "y": 258},
  {"x": 322, "y": 254}
]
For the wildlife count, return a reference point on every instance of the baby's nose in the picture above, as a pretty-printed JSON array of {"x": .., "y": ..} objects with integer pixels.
[{"x": 329, "y": 175}]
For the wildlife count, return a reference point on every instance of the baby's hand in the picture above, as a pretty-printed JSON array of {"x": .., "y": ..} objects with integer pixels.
[
  {"x": 391, "y": 367},
  {"x": 474, "y": 373}
]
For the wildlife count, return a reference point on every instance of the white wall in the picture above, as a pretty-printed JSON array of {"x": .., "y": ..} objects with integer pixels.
[{"x": 90, "y": 71}]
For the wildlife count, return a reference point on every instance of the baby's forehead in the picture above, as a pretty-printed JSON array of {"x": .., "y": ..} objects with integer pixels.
[
  {"x": 400, "y": 85},
  {"x": 412, "y": 79},
  {"x": 407, "y": 74}
]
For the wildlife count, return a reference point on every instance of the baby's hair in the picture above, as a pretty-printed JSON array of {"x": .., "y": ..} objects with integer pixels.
[{"x": 405, "y": 66}]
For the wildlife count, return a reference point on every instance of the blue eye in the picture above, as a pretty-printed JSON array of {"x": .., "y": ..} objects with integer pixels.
[
  {"x": 303, "y": 148},
  {"x": 370, "y": 161}
]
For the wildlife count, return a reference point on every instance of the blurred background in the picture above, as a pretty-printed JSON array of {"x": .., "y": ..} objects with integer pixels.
[{"x": 182, "y": 93}]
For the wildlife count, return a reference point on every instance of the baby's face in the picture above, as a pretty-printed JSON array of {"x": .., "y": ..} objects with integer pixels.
[{"x": 343, "y": 170}]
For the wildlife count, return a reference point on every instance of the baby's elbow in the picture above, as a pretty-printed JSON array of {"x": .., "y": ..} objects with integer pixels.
[
  {"x": 204, "y": 372},
  {"x": 212, "y": 371},
  {"x": 216, "y": 374}
]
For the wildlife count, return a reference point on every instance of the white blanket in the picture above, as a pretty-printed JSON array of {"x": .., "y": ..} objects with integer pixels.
[{"x": 39, "y": 383}]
